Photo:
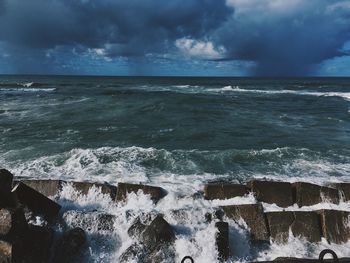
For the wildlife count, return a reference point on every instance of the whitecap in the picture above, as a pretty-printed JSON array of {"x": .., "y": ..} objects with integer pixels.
[
  {"x": 194, "y": 237},
  {"x": 344, "y": 95},
  {"x": 26, "y": 89},
  {"x": 28, "y": 84}
]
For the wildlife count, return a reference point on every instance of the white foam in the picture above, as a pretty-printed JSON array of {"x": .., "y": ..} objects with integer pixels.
[
  {"x": 28, "y": 84},
  {"x": 194, "y": 237},
  {"x": 344, "y": 95},
  {"x": 26, "y": 89}
]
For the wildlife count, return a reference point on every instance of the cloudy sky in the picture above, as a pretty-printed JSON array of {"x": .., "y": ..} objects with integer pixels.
[{"x": 175, "y": 37}]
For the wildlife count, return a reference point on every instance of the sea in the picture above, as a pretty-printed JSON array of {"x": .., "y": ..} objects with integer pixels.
[{"x": 177, "y": 133}]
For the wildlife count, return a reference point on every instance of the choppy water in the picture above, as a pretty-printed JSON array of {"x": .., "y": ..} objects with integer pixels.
[{"x": 176, "y": 133}]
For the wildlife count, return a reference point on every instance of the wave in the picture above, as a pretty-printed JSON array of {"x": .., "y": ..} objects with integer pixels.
[
  {"x": 182, "y": 173},
  {"x": 182, "y": 167},
  {"x": 345, "y": 95},
  {"x": 26, "y": 89},
  {"x": 186, "y": 86},
  {"x": 21, "y": 84},
  {"x": 195, "y": 89},
  {"x": 194, "y": 237},
  {"x": 28, "y": 84}
]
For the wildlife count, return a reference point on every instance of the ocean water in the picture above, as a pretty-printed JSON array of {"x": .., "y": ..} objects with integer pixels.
[{"x": 177, "y": 133}]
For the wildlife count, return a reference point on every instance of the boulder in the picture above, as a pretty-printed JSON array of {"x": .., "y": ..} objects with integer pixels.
[
  {"x": 307, "y": 225},
  {"x": 254, "y": 218},
  {"x": 36, "y": 202},
  {"x": 8, "y": 252},
  {"x": 12, "y": 224},
  {"x": 32, "y": 247},
  {"x": 155, "y": 192},
  {"x": 279, "y": 193},
  {"x": 224, "y": 191},
  {"x": 136, "y": 228},
  {"x": 89, "y": 220},
  {"x": 134, "y": 253},
  {"x": 156, "y": 242},
  {"x": 301, "y": 224},
  {"x": 222, "y": 240},
  {"x": 344, "y": 189},
  {"x": 335, "y": 225},
  {"x": 7, "y": 199},
  {"x": 37, "y": 244},
  {"x": 84, "y": 187},
  {"x": 49, "y": 188},
  {"x": 157, "y": 234},
  {"x": 164, "y": 254},
  {"x": 70, "y": 245},
  {"x": 307, "y": 194},
  {"x": 52, "y": 188},
  {"x": 279, "y": 224},
  {"x": 6, "y": 179}
]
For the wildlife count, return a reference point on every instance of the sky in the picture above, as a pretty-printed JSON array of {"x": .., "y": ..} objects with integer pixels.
[{"x": 175, "y": 37}]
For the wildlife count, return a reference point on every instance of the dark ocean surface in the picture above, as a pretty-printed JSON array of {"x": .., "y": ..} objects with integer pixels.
[
  {"x": 236, "y": 126},
  {"x": 177, "y": 133}
]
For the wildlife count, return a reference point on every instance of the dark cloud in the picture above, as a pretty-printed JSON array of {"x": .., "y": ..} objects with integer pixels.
[
  {"x": 286, "y": 37},
  {"x": 135, "y": 26},
  {"x": 280, "y": 37}
]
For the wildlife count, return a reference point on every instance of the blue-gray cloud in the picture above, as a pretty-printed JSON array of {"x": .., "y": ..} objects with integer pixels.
[{"x": 280, "y": 37}]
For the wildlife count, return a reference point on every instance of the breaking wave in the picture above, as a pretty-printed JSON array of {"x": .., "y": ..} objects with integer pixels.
[
  {"x": 185, "y": 169},
  {"x": 26, "y": 89},
  {"x": 344, "y": 95}
]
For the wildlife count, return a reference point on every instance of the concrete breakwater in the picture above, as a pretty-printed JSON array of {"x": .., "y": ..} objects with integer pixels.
[{"x": 24, "y": 201}]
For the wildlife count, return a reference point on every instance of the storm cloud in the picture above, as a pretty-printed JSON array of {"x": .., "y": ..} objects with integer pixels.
[{"x": 279, "y": 37}]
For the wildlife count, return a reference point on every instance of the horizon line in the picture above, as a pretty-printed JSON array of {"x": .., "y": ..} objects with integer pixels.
[{"x": 167, "y": 76}]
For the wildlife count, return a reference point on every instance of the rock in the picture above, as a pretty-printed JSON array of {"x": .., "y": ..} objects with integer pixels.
[
  {"x": 12, "y": 224},
  {"x": 307, "y": 225},
  {"x": 181, "y": 216},
  {"x": 38, "y": 243},
  {"x": 70, "y": 245},
  {"x": 279, "y": 193},
  {"x": 49, "y": 188},
  {"x": 344, "y": 189},
  {"x": 279, "y": 224},
  {"x": 84, "y": 187},
  {"x": 36, "y": 202},
  {"x": 89, "y": 220},
  {"x": 335, "y": 225},
  {"x": 254, "y": 218},
  {"x": 219, "y": 214},
  {"x": 198, "y": 195},
  {"x": 224, "y": 191},
  {"x": 301, "y": 224},
  {"x": 155, "y": 192},
  {"x": 52, "y": 188},
  {"x": 307, "y": 194},
  {"x": 222, "y": 240},
  {"x": 134, "y": 253},
  {"x": 208, "y": 217},
  {"x": 5, "y": 181},
  {"x": 164, "y": 254},
  {"x": 7, "y": 199},
  {"x": 158, "y": 233},
  {"x": 136, "y": 229},
  {"x": 5, "y": 252},
  {"x": 32, "y": 247}
]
